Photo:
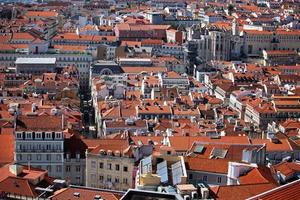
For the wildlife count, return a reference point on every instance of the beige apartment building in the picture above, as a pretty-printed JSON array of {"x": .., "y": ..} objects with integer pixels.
[{"x": 111, "y": 165}]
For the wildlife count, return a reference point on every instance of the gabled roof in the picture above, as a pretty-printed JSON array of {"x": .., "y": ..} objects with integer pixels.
[{"x": 17, "y": 186}]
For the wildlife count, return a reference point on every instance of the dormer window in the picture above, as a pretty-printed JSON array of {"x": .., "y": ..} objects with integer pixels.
[
  {"x": 48, "y": 135},
  {"x": 58, "y": 135},
  {"x": 28, "y": 136},
  {"x": 19, "y": 135},
  {"x": 38, "y": 135}
]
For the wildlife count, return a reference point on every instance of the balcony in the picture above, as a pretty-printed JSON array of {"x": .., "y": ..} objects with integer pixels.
[
  {"x": 274, "y": 40},
  {"x": 39, "y": 150}
]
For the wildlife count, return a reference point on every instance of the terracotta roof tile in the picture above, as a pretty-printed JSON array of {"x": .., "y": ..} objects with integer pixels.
[
  {"x": 289, "y": 191},
  {"x": 85, "y": 194},
  {"x": 45, "y": 123},
  {"x": 17, "y": 186},
  {"x": 6, "y": 145},
  {"x": 287, "y": 168},
  {"x": 241, "y": 192},
  {"x": 207, "y": 165}
]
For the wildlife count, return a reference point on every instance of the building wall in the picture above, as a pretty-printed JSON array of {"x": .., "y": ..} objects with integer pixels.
[
  {"x": 35, "y": 69},
  {"x": 254, "y": 44},
  {"x": 42, "y": 153},
  {"x": 106, "y": 178},
  {"x": 209, "y": 178},
  {"x": 74, "y": 171}
]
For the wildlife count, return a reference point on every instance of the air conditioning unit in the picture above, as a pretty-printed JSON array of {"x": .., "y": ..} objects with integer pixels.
[
  {"x": 97, "y": 197},
  {"x": 194, "y": 195},
  {"x": 204, "y": 193},
  {"x": 76, "y": 194},
  {"x": 186, "y": 197}
]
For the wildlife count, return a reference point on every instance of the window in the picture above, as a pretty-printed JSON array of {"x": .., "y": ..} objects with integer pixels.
[
  {"x": 38, "y": 135},
  {"x": 78, "y": 168},
  {"x": 204, "y": 178},
  {"x": 219, "y": 180},
  {"x": 109, "y": 166},
  {"x": 29, "y": 157},
  {"x": 117, "y": 180},
  {"x": 101, "y": 178},
  {"x": 93, "y": 164},
  {"x": 125, "y": 169},
  {"x": 48, "y": 135},
  {"x": 77, "y": 156},
  {"x": 190, "y": 176},
  {"x": 58, "y": 157},
  {"x": 68, "y": 168},
  {"x": 48, "y": 157},
  {"x": 49, "y": 168},
  {"x": 19, "y": 147},
  {"x": 28, "y": 136},
  {"x": 78, "y": 182},
  {"x": 58, "y": 135},
  {"x": 19, "y": 157},
  {"x": 58, "y": 147},
  {"x": 117, "y": 167},
  {"x": 58, "y": 168},
  {"x": 125, "y": 180},
  {"x": 93, "y": 177},
  {"x": 38, "y": 157},
  {"x": 101, "y": 165},
  {"x": 109, "y": 178},
  {"x": 68, "y": 156},
  {"x": 19, "y": 135}
]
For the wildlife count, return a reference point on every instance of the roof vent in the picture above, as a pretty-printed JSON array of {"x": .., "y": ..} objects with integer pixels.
[
  {"x": 76, "y": 194},
  {"x": 129, "y": 121},
  {"x": 275, "y": 140},
  {"x": 97, "y": 197},
  {"x": 215, "y": 137}
]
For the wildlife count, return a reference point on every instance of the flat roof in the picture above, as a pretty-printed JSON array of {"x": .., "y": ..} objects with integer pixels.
[
  {"x": 135, "y": 59},
  {"x": 35, "y": 61}
]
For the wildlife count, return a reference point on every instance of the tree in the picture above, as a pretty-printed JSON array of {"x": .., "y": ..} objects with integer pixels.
[{"x": 230, "y": 8}]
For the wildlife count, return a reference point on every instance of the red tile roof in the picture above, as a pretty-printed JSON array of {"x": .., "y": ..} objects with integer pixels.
[
  {"x": 45, "y": 123},
  {"x": 17, "y": 186},
  {"x": 240, "y": 192},
  {"x": 85, "y": 194},
  {"x": 287, "y": 168},
  {"x": 44, "y": 14},
  {"x": 6, "y": 146},
  {"x": 283, "y": 144},
  {"x": 289, "y": 191},
  {"x": 22, "y": 36},
  {"x": 258, "y": 175},
  {"x": 207, "y": 165},
  {"x": 183, "y": 143}
]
